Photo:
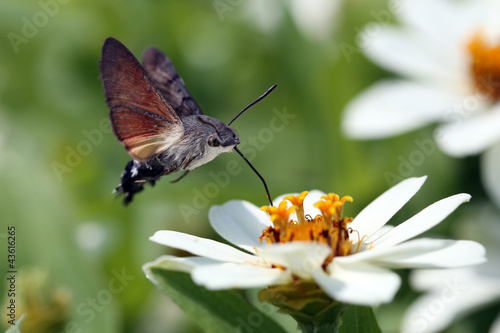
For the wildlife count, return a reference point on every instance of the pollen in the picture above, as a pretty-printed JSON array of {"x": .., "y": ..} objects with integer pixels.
[
  {"x": 485, "y": 66},
  {"x": 328, "y": 227},
  {"x": 298, "y": 204},
  {"x": 279, "y": 215}
]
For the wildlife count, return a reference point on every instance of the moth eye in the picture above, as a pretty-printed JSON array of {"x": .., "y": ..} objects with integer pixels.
[{"x": 213, "y": 141}]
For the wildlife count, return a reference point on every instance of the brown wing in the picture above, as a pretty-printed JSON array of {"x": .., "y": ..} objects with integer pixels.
[
  {"x": 141, "y": 118},
  {"x": 163, "y": 73}
]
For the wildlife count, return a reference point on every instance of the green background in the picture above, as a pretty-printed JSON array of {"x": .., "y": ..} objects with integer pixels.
[{"x": 70, "y": 227}]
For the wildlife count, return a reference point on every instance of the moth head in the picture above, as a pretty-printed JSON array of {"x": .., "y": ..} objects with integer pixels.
[
  {"x": 220, "y": 135},
  {"x": 223, "y": 137}
]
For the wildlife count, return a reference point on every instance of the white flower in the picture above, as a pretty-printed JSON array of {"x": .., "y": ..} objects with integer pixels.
[
  {"x": 448, "y": 55},
  {"x": 452, "y": 294},
  {"x": 348, "y": 260},
  {"x": 314, "y": 18}
]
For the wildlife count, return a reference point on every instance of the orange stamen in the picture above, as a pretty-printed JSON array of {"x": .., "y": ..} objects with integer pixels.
[
  {"x": 485, "y": 66},
  {"x": 328, "y": 228}
]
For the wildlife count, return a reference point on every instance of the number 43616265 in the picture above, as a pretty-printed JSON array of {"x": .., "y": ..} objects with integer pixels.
[{"x": 11, "y": 240}]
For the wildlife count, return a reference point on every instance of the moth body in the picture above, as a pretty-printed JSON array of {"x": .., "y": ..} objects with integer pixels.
[{"x": 156, "y": 119}]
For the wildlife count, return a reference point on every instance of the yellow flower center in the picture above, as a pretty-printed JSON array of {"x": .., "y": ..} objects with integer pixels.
[
  {"x": 328, "y": 227},
  {"x": 485, "y": 66}
]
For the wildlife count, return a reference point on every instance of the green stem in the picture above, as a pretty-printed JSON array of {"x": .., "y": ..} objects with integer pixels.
[
  {"x": 313, "y": 310},
  {"x": 328, "y": 320}
]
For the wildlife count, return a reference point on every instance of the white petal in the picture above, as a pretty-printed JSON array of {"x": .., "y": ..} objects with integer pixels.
[
  {"x": 315, "y": 18},
  {"x": 470, "y": 135},
  {"x": 358, "y": 283},
  {"x": 449, "y": 254},
  {"x": 434, "y": 280},
  {"x": 379, "y": 211},
  {"x": 421, "y": 222},
  {"x": 240, "y": 223},
  {"x": 407, "y": 52},
  {"x": 312, "y": 197},
  {"x": 453, "y": 301},
  {"x": 381, "y": 232},
  {"x": 299, "y": 257},
  {"x": 402, "y": 251},
  {"x": 228, "y": 275},
  {"x": 368, "y": 241},
  {"x": 423, "y": 280},
  {"x": 426, "y": 16},
  {"x": 392, "y": 107},
  {"x": 173, "y": 263},
  {"x": 490, "y": 172},
  {"x": 185, "y": 264},
  {"x": 202, "y": 247}
]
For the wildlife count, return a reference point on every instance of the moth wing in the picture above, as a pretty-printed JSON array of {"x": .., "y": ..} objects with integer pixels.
[
  {"x": 163, "y": 73},
  {"x": 141, "y": 118}
]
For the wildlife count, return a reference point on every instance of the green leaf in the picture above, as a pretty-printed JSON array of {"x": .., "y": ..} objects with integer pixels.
[
  {"x": 359, "y": 319},
  {"x": 214, "y": 311}
]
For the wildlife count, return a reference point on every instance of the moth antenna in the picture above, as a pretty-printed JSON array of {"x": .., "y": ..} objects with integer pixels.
[
  {"x": 268, "y": 91},
  {"x": 258, "y": 174}
]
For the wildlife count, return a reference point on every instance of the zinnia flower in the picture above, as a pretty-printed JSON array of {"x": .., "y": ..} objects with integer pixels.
[
  {"x": 448, "y": 53},
  {"x": 452, "y": 294},
  {"x": 314, "y": 18},
  {"x": 305, "y": 238}
]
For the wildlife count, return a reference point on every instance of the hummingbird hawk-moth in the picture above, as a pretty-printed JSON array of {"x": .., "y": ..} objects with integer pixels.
[{"x": 157, "y": 120}]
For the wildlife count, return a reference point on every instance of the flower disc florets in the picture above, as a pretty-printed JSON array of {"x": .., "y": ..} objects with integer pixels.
[
  {"x": 485, "y": 66},
  {"x": 329, "y": 227}
]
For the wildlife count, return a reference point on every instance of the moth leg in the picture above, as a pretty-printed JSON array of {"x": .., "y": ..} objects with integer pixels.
[
  {"x": 185, "y": 172},
  {"x": 152, "y": 179},
  {"x": 183, "y": 175}
]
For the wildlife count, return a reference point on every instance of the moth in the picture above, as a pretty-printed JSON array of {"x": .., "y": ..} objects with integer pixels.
[{"x": 157, "y": 120}]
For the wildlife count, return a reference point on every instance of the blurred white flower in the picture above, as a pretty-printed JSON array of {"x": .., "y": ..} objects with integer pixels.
[
  {"x": 314, "y": 18},
  {"x": 308, "y": 239},
  {"x": 91, "y": 236},
  {"x": 452, "y": 294},
  {"x": 448, "y": 53}
]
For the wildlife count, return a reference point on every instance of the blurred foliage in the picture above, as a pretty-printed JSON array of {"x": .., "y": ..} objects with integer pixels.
[{"x": 68, "y": 222}]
